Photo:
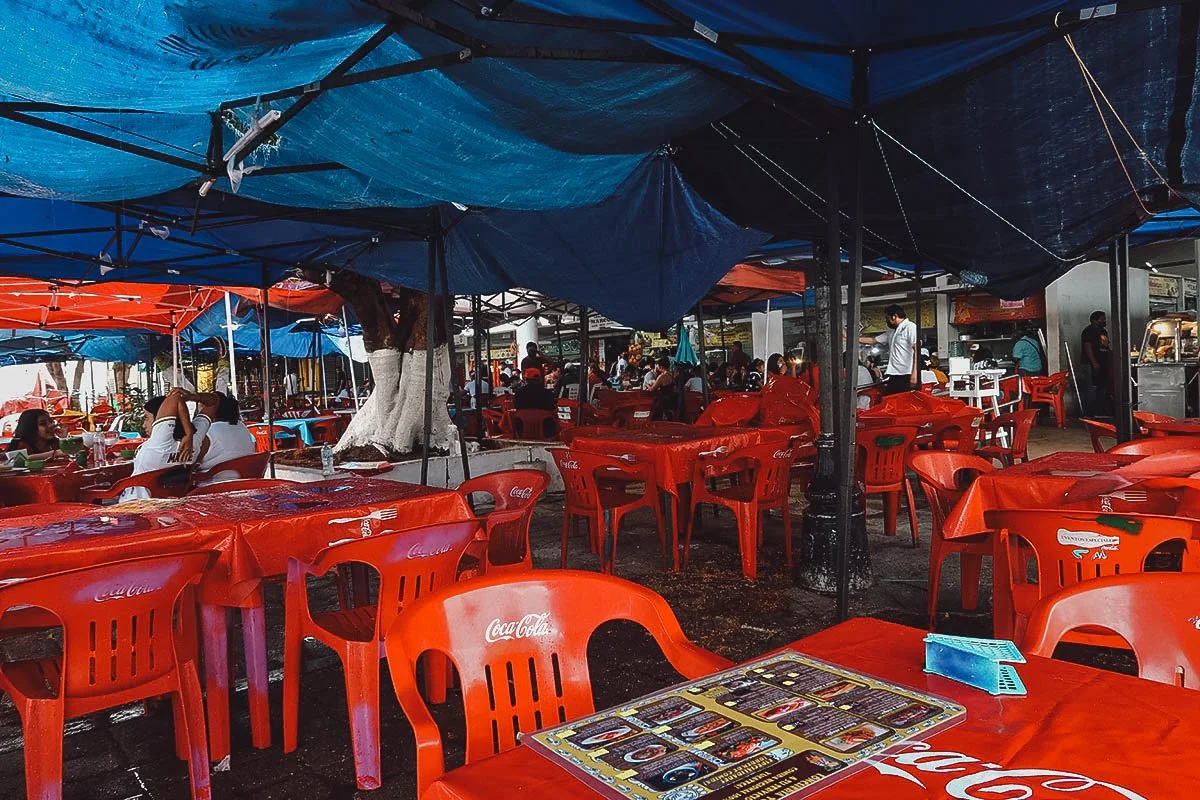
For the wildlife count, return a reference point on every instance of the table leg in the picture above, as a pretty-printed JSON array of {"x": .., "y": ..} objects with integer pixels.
[
  {"x": 215, "y": 642},
  {"x": 608, "y": 543},
  {"x": 667, "y": 501},
  {"x": 254, "y": 638}
]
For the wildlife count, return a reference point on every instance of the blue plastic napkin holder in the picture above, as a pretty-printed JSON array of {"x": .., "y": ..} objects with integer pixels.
[{"x": 983, "y": 663}]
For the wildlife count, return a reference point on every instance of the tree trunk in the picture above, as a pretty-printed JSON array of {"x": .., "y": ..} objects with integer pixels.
[
  {"x": 392, "y": 420},
  {"x": 76, "y": 382},
  {"x": 57, "y": 375}
]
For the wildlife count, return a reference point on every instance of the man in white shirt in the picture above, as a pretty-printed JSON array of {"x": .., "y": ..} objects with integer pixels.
[
  {"x": 901, "y": 339},
  {"x": 482, "y": 386},
  {"x": 170, "y": 438},
  {"x": 224, "y": 437},
  {"x": 291, "y": 384}
]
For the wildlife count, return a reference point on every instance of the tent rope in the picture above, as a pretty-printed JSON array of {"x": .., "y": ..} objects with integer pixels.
[
  {"x": 896, "y": 191},
  {"x": 717, "y": 126},
  {"x": 797, "y": 181},
  {"x": 971, "y": 196},
  {"x": 1094, "y": 89}
]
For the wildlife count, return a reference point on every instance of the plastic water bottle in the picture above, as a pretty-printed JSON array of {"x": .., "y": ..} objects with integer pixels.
[{"x": 327, "y": 460}]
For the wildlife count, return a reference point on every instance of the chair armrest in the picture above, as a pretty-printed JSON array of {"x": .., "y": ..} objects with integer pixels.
[
  {"x": 104, "y": 491},
  {"x": 692, "y": 661},
  {"x": 431, "y": 763}
]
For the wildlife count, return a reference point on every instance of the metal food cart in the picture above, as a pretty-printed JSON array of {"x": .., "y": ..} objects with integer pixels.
[{"x": 1166, "y": 366}]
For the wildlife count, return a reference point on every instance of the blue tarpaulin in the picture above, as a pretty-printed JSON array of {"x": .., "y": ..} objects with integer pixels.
[{"x": 559, "y": 123}]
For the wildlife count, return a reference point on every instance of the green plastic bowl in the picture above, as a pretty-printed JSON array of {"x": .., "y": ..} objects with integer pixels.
[
  {"x": 128, "y": 453},
  {"x": 34, "y": 465}
]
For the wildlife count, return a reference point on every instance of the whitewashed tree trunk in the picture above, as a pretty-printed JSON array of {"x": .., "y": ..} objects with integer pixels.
[{"x": 393, "y": 417}]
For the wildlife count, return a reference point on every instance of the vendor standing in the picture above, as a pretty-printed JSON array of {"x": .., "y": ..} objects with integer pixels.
[
  {"x": 1097, "y": 354},
  {"x": 1028, "y": 354},
  {"x": 901, "y": 339}
]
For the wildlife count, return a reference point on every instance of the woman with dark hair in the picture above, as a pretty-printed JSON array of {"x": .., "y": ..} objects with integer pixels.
[
  {"x": 754, "y": 376},
  {"x": 36, "y": 435},
  {"x": 226, "y": 437},
  {"x": 169, "y": 442}
]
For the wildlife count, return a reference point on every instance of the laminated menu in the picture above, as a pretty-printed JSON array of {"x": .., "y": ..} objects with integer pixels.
[{"x": 784, "y": 726}]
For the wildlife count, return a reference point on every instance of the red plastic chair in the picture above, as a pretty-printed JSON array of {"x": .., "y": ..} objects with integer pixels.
[
  {"x": 532, "y": 424},
  {"x": 410, "y": 564},
  {"x": 244, "y": 485},
  {"x": 534, "y": 628},
  {"x": 598, "y": 490},
  {"x": 1071, "y": 547},
  {"x": 494, "y": 423},
  {"x": 568, "y": 414},
  {"x": 170, "y": 482},
  {"x": 253, "y": 466},
  {"x": 1099, "y": 432},
  {"x": 693, "y": 405},
  {"x": 882, "y": 454},
  {"x": 504, "y": 402},
  {"x": 1153, "y": 612},
  {"x": 763, "y": 481},
  {"x": 323, "y": 432},
  {"x": 508, "y": 537},
  {"x": 1049, "y": 391},
  {"x": 1149, "y": 416},
  {"x": 1016, "y": 427},
  {"x": 637, "y": 414},
  {"x": 138, "y": 654},
  {"x": 942, "y": 477},
  {"x": 285, "y": 439},
  {"x": 1156, "y": 445},
  {"x": 957, "y": 433},
  {"x": 729, "y": 411}
]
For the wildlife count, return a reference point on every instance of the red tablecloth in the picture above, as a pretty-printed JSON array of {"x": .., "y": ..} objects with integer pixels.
[
  {"x": 56, "y": 541},
  {"x": 673, "y": 452},
  {"x": 1040, "y": 483},
  {"x": 910, "y": 409},
  {"x": 57, "y": 483},
  {"x": 274, "y": 523},
  {"x": 1081, "y": 734}
]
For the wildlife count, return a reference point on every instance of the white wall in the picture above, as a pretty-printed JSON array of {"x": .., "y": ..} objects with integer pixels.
[{"x": 1070, "y": 301}]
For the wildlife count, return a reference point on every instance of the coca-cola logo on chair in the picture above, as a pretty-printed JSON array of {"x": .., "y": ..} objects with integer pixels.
[
  {"x": 521, "y": 492},
  {"x": 530, "y": 626},
  {"x": 124, "y": 592}
]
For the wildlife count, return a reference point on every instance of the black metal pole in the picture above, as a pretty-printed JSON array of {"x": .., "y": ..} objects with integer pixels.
[
  {"x": 477, "y": 325},
  {"x": 195, "y": 365},
  {"x": 849, "y": 398},
  {"x": 430, "y": 307},
  {"x": 448, "y": 301},
  {"x": 917, "y": 322},
  {"x": 703, "y": 351},
  {"x": 268, "y": 412},
  {"x": 1122, "y": 379},
  {"x": 583, "y": 363}
]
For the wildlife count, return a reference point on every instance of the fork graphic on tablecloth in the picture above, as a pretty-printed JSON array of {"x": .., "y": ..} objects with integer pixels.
[
  {"x": 382, "y": 514},
  {"x": 1129, "y": 496}
]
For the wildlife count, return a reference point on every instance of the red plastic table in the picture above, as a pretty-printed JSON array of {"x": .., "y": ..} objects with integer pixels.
[
  {"x": 1040, "y": 483},
  {"x": 1176, "y": 427},
  {"x": 57, "y": 483},
  {"x": 1081, "y": 734}
]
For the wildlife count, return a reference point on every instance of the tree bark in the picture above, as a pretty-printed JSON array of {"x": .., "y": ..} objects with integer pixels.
[
  {"x": 76, "y": 382},
  {"x": 392, "y": 418}
]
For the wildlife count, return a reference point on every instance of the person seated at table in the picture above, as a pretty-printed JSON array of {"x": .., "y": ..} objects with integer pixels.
[
  {"x": 719, "y": 377},
  {"x": 504, "y": 387},
  {"x": 754, "y": 375},
  {"x": 170, "y": 441},
  {"x": 225, "y": 436},
  {"x": 779, "y": 366},
  {"x": 630, "y": 379},
  {"x": 694, "y": 383},
  {"x": 298, "y": 407},
  {"x": 37, "y": 434},
  {"x": 534, "y": 394}
]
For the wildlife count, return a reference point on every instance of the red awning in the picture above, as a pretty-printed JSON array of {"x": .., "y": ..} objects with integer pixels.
[
  {"x": 297, "y": 295},
  {"x": 70, "y": 305},
  {"x": 747, "y": 283}
]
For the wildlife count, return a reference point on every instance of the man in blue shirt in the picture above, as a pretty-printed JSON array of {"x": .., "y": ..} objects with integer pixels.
[{"x": 1028, "y": 354}]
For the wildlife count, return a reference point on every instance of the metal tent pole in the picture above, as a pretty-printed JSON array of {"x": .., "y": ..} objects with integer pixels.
[
  {"x": 350, "y": 357},
  {"x": 321, "y": 365},
  {"x": 917, "y": 323},
  {"x": 233, "y": 390},
  {"x": 703, "y": 353},
  {"x": 448, "y": 301},
  {"x": 195, "y": 364},
  {"x": 583, "y": 367},
  {"x": 477, "y": 326},
  {"x": 265, "y": 332},
  {"x": 429, "y": 312},
  {"x": 1122, "y": 378},
  {"x": 846, "y": 438}
]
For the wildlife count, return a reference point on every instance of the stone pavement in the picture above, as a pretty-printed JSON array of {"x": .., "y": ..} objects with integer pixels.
[{"x": 128, "y": 753}]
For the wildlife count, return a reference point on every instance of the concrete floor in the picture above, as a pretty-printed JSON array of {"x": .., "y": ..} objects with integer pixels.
[{"x": 129, "y": 754}]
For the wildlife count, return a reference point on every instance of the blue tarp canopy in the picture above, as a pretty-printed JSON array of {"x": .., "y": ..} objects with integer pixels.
[
  {"x": 1004, "y": 140},
  {"x": 36, "y": 346}
]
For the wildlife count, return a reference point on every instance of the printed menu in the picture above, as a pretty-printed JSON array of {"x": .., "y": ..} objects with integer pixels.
[{"x": 784, "y": 726}]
